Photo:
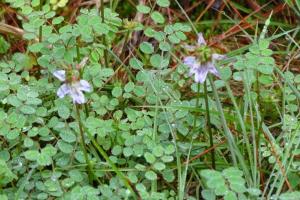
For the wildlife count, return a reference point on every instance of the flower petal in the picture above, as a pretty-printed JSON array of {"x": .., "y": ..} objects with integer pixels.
[
  {"x": 84, "y": 86},
  {"x": 189, "y": 47},
  {"x": 212, "y": 69},
  {"x": 60, "y": 74},
  {"x": 194, "y": 69},
  {"x": 201, "y": 40},
  {"x": 190, "y": 61},
  {"x": 77, "y": 96},
  {"x": 216, "y": 56},
  {"x": 201, "y": 73},
  {"x": 63, "y": 90}
]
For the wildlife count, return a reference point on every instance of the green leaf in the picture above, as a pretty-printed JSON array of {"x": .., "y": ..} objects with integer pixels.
[
  {"x": 151, "y": 175},
  {"x": 150, "y": 158},
  {"x": 230, "y": 196},
  {"x": 159, "y": 166},
  {"x": 14, "y": 134},
  {"x": 117, "y": 150},
  {"x": 156, "y": 60},
  {"x": 135, "y": 63},
  {"x": 31, "y": 155},
  {"x": 208, "y": 194},
  {"x": 26, "y": 10},
  {"x": 35, "y": 3},
  {"x": 146, "y": 48},
  {"x": 159, "y": 36},
  {"x": 127, "y": 151},
  {"x": 6, "y": 174},
  {"x": 44, "y": 159},
  {"x": 173, "y": 38},
  {"x": 57, "y": 20},
  {"x": 170, "y": 149},
  {"x": 157, "y": 17},
  {"x": 265, "y": 79},
  {"x": 254, "y": 191},
  {"x": 44, "y": 131},
  {"x": 143, "y": 9},
  {"x": 14, "y": 101},
  {"x": 180, "y": 35},
  {"x": 4, "y": 46},
  {"x": 232, "y": 172},
  {"x": 76, "y": 175},
  {"x": 67, "y": 136},
  {"x": 209, "y": 174},
  {"x": 263, "y": 44},
  {"x": 117, "y": 91},
  {"x": 129, "y": 87},
  {"x": 221, "y": 190},
  {"x": 49, "y": 150},
  {"x": 226, "y": 73},
  {"x": 65, "y": 147},
  {"x": 139, "y": 91},
  {"x": 164, "y": 46},
  {"x": 158, "y": 151},
  {"x": 27, "y": 109},
  {"x": 238, "y": 187},
  {"x": 63, "y": 111},
  {"x": 167, "y": 159},
  {"x": 265, "y": 69},
  {"x": 163, "y": 3},
  {"x": 149, "y": 32},
  {"x": 168, "y": 175},
  {"x": 28, "y": 142}
]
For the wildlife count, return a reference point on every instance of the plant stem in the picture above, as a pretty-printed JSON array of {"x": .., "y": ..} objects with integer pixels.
[
  {"x": 81, "y": 72},
  {"x": 208, "y": 126},
  {"x": 196, "y": 106},
  {"x": 103, "y": 36},
  {"x": 41, "y": 27},
  {"x": 234, "y": 150},
  {"x": 113, "y": 166},
  {"x": 82, "y": 143},
  {"x": 259, "y": 125}
]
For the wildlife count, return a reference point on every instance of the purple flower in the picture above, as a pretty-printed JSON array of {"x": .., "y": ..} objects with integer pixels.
[
  {"x": 198, "y": 68},
  {"x": 73, "y": 89}
]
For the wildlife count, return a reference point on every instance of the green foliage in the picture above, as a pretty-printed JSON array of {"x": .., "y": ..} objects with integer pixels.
[
  {"x": 229, "y": 184},
  {"x": 143, "y": 119},
  {"x": 6, "y": 174},
  {"x": 4, "y": 45}
]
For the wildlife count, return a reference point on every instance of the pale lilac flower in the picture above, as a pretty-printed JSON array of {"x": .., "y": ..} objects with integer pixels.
[
  {"x": 200, "y": 70},
  {"x": 73, "y": 89}
]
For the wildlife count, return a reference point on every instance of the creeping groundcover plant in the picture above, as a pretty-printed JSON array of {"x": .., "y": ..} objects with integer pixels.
[{"x": 118, "y": 100}]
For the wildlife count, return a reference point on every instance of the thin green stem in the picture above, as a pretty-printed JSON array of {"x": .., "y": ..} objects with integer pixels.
[
  {"x": 247, "y": 85},
  {"x": 81, "y": 72},
  {"x": 41, "y": 27},
  {"x": 242, "y": 124},
  {"x": 208, "y": 126},
  {"x": 154, "y": 137},
  {"x": 196, "y": 106},
  {"x": 234, "y": 150},
  {"x": 103, "y": 36},
  {"x": 113, "y": 166},
  {"x": 259, "y": 125},
  {"x": 82, "y": 143}
]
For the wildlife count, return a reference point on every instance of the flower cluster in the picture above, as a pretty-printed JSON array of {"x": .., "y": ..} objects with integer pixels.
[
  {"x": 73, "y": 88},
  {"x": 200, "y": 67}
]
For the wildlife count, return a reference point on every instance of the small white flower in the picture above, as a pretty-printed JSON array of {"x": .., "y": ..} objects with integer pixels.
[
  {"x": 201, "y": 40},
  {"x": 200, "y": 70},
  {"x": 73, "y": 89}
]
